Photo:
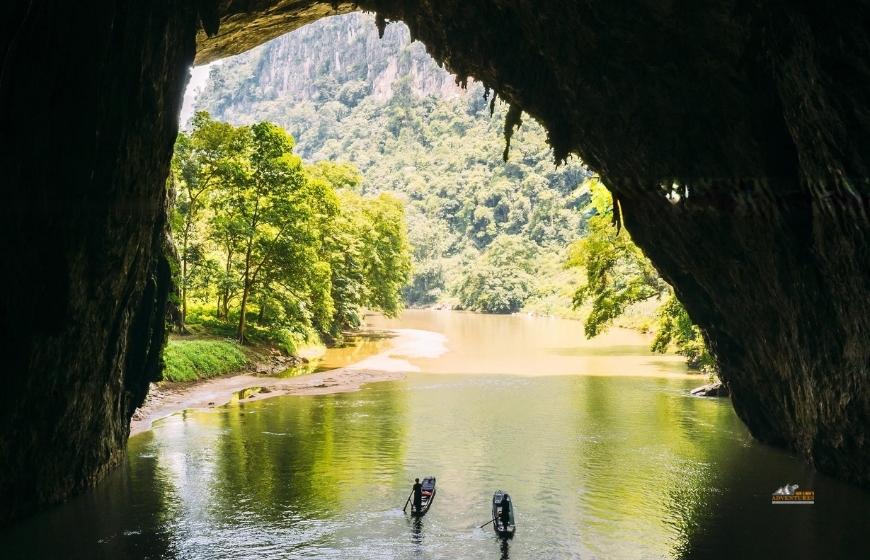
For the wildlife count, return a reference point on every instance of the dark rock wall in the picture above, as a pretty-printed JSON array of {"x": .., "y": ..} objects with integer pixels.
[
  {"x": 88, "y": 105},
  {"x": 758, "y": 108}
]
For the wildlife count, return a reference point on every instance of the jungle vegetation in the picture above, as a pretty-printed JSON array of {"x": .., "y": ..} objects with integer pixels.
[
  {"x": 385, "y": 107},
  {"x": 272, "y": 248}
]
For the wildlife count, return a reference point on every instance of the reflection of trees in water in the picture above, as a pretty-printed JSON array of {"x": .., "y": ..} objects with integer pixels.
[
  {"x": 296, "y": 458},
  {"x": 667, "y": 454}
]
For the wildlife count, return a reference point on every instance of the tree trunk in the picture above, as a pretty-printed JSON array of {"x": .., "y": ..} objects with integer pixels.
[
  {"x": 225, "y": 311},
  {"x": 262, "y": 313},
  {"x": 246, "y": 289},
  {"x": 184, "y": 244},
  {"x": 242, "y": 310}
]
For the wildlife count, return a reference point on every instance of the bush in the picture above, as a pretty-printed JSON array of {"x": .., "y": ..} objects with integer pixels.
[{"x": 189, "y": 360}]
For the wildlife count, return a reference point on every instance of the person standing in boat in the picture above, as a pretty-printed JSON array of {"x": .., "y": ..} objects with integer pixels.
[
  {"x": 418, "y": 495},
  {"x": 505, "y": 513}
]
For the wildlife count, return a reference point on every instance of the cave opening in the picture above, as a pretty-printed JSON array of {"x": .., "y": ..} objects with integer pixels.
[{"x": 758, "y": 113}]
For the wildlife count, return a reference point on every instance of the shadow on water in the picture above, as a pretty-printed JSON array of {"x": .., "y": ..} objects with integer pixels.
[
  {"x": 100, "y": 523},
  {"x": 505, "y": 549}
]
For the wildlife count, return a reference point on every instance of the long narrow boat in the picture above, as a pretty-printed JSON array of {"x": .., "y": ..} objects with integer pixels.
[
  {"x": 503, "y": 523},
  {"x": 428, "y": 497}
]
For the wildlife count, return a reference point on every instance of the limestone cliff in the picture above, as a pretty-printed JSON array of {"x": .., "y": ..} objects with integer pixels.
[{"x": 340, "y": 58}]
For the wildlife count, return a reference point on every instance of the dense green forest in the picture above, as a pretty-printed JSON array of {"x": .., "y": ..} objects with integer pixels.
[
  {"x": 385, "y": 107},
  {"x": 273, "y": 247},
  {"x": 485, "y": 234}
]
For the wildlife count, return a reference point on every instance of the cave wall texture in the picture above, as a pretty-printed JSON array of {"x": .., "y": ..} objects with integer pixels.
[
  {"x": 88, "y": 108},
  {"x": 758, "y": 110}
]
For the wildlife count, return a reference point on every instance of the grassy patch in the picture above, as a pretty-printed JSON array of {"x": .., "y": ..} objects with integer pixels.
[{"x": 189, "y": 360}]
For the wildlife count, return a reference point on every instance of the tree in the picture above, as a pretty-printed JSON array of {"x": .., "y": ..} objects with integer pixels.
[
  {"x": 226, "y": 233},
  {"x": 676, "y": 329},
  {"x": 436, "y": 149},
  {"x": 502, "y": 280},
  {"x": 387, "y": 254},
  {"x": 264, "y": 202},
  {"x": 619, "y": 275},
  {"x": 490, "y": 289},
  {"x": 296, "y": 244},
  {"x": 199, "y": 163},
  {"x": 369, "y": 255},
  {"x": 338, "y": 175}
]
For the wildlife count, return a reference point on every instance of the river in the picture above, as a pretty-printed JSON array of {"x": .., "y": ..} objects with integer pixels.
[{"x": 602, "y": 449}]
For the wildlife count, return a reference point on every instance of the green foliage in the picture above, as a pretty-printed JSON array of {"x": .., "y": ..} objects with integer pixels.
[
  {"x": 296, "y": 247},
  {"x": 675, "y": 329},
  {"x": 189, "y": 360},
  {"x": 502, "y": 281},
  {"x": 202, "y": 157},
  {"x": 486, "y": 232},
  {"x": 387, "y": 262},
  {"x": 618, "y": 275}
]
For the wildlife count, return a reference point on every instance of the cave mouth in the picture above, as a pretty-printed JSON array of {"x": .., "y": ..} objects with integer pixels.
[
  {"x": 361, "y": 100},
  {"x": 762, "y": 111}
]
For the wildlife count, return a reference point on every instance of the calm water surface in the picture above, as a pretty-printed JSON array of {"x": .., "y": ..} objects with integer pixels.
[{"x": 598, "y": 443}]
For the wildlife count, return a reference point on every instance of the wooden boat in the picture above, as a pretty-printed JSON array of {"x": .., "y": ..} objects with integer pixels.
[
  {"x": 428, "y": 497},
  {"x": 504, "y": 529}
]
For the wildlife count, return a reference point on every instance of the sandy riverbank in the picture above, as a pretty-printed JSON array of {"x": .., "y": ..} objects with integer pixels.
[{"x": 389, "y": 365}]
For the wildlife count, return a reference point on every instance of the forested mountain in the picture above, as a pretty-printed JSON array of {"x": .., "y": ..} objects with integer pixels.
[{"x": 385, "y": 106}]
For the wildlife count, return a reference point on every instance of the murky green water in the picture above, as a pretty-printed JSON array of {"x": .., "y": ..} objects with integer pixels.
[{"x": 598, "y": 467}]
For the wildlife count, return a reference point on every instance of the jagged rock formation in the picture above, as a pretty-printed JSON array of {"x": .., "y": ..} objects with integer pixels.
[{"x": 760, "y": 111}]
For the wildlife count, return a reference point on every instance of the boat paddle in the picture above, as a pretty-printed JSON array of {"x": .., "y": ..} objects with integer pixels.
[
  {"x": 487, "y": 523},
  {"x": 408, "y": 501}
]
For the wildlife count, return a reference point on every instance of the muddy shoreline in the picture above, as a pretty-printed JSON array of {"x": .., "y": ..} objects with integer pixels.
[{"x": 167, "y": 399}]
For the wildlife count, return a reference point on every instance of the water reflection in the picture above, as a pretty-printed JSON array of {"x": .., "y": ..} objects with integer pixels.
[
  {"x": 598, "y": 467},
  {"x": 416, "y": 533},
  {"x": 505, "y": 549}
]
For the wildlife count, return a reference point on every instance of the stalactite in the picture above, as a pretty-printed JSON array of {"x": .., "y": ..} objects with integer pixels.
[{"x": 512, "y": 121}]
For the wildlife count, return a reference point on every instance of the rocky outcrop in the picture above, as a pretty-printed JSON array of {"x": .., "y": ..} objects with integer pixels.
[
  {"x": 735, "y": 136},
  {"x": 716, "y": 389},
  {"x": 357, "y": 64}
]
